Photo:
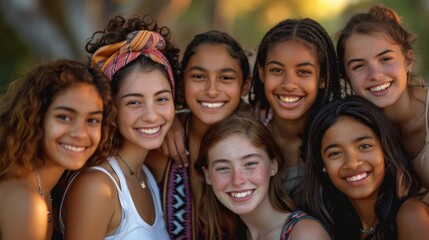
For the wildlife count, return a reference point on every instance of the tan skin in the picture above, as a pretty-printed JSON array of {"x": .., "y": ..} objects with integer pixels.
[
  {"x": 205, "y": 82},
  {"x": 93, "y": 197}
]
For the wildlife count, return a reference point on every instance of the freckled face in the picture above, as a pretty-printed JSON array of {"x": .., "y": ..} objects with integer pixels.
[
  {"x": 353, "y": 158},
  {"x": 240, "y": 174},
  {"x": 72, "y": 126}
]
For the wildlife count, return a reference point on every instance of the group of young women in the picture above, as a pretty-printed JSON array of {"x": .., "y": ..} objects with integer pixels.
[{"x": 320, "y": 164}]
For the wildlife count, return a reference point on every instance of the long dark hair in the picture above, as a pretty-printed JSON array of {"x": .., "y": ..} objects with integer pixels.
[{"x": 333, "y": 207}]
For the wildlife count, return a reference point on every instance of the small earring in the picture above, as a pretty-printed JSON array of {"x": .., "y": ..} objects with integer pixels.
[
  {"x": 273, "y": 171},
  {"x": 324, "y": 169}
]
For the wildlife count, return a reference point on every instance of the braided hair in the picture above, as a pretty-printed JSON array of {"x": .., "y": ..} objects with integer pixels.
[{"x": 312, "y": 33}]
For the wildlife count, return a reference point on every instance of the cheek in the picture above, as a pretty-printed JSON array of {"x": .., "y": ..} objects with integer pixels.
[{"x": 220, "y": 181}]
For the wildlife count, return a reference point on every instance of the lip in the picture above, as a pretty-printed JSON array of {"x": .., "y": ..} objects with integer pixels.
[
  {"x": 380, "y": 89},
  {"x": 212, "y": 104},
  {"x": 241, "y": 196},
  {"x": 149, "y": 131},
  {"x": 73, "y": 148},
  {"x": 357, "y": 178}
]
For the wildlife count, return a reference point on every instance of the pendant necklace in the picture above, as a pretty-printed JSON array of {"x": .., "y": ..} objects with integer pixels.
[
  {"x": 42, "y": 194},
  {"x": 141, "y": 181},
  {"x": 367, "y": 231}
]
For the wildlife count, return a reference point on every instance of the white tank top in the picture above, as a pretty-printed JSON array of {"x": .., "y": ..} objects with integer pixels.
[{"x": 132, "y": 226}]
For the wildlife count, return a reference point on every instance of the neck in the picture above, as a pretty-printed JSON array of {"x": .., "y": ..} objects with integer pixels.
[
  {"x": 365, "y": 210},
  {"x": 48, "y": 178},
  {"x": 290, "y": 129},
  {"x": 134, "y": 157}
]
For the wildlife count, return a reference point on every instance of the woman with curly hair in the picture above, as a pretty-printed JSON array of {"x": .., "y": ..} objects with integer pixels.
[
  {"x": 359, "y": 182},
  {"x": 55, "y": 118},
  {"x": 120, "y": 199}
]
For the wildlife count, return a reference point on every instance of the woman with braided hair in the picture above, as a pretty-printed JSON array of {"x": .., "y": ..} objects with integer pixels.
[
  {"x": 119, "y": 199},
  {"x": 295, "y": 73}
]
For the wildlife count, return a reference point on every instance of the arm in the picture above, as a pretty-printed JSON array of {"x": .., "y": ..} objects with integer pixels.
[
  {"x": 23, "y": 216},
  {"x": 174, "y": 143},
  {"x": 309, "y": 229},
  {"x": 412, "y": 220},
  {"x": 90, "y": 206}
]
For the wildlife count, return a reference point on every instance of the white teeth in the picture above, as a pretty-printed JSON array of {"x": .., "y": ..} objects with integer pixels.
[
  {"x": 149, "y": 130},
  {"x": 241, "y": 194},
  {"x": 212, "y": 105},
  {"x": 380, "y": 87},
  {"x": 290, "y": 99},
  {"x": 73, "y": 148},
  {"x": 357, "y": 177}
]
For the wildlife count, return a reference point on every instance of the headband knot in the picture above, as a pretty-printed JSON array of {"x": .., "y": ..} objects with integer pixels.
[{"x": 111, "y": 58}]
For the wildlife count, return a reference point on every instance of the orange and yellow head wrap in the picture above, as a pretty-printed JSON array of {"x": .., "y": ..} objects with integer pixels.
[{"x": 111, "y": 58}]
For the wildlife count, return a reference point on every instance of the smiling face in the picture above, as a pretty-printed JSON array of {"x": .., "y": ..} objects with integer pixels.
[
  {"x": 145, "y": 108},
  {"x": 213, "y": 83},
  {"x": 240, "y": 174},
  {"x": 72, "y": 126},
  {"x": 291, "y": 76},
  {"x": 353, "y": 157},
  {"x": 376, "y": 68}
]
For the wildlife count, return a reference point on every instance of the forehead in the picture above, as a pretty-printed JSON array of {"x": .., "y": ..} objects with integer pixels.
[
  {"x": 234, "y": 147},
  {"x": 347, "y": 129},
  {"x": 293, "y": 49},
  {"x": 142, "y": 80},
  {"x": 213, "y": 56},
  {"x": 80, "y": 96}
]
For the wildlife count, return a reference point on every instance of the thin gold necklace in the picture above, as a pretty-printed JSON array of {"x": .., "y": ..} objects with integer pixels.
[
  {"x": 42, "y": 193},
  {"x": 141, "y": 181}
]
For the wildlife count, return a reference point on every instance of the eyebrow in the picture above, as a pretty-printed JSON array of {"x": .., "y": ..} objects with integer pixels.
[
  {"x": 141, "y": 95},
  {"x": 223, "y": 70},
  {"x": 299, "y": 65},
  {"x": 72, "y": 110},
  {"x": 361, "y": 59},
  {"x": 356, "y": 140},
  {"x": 222, "y": 160}
]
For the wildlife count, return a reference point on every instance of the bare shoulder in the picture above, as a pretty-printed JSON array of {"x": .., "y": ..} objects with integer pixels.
[
  {"x": 22, "y": 210},
  {"x": 413, "y": 220},
  {"x": 309, "y": 228},
  {"x": 413, "y": 210}
]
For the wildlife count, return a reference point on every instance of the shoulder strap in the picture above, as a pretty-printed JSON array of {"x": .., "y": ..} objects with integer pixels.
[{"x": 293, "y": 219}]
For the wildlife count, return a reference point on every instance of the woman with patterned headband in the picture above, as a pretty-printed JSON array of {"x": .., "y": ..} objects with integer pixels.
[{"x": 119, "y": 199}]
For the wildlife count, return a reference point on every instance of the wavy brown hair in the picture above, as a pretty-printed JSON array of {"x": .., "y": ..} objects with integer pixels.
[
  {"x": 23, "y": 108},
  {"x": 117, "y": 30},
  {"x": 215, "y": 220},
  {"x": 378, "y": 20}
]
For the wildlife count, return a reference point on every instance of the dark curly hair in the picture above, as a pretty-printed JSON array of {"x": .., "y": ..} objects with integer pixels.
[
  {"x": 23, "y": 108},
  {"x": 117, "y": 30}
]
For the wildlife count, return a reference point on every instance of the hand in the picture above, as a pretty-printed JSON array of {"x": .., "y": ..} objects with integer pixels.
[{"x": 174, "y": 143}]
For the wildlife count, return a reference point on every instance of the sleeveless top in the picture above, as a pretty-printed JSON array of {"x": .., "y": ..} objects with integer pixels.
[
  {"x": 132, "y": 226},
  {"x": 421, "y": 162},
  {"x": 293, "y": 219},
  {"x": 177, "y": 198}
]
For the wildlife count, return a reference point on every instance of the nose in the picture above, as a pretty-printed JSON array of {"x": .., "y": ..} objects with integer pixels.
[
  {"x": 374, "y": 72},
  {"x": 289, "y": 82},
  {"x": 212, "y": 88},
  {"x": 149, "y": 113},
  {"x": 79, "y": 130},
  {"x": 351, "y": 160},
  {"x": 238, "y": 178}
]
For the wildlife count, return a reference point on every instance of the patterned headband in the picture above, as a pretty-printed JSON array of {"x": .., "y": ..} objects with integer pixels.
[{"x": 111, "y": 58}]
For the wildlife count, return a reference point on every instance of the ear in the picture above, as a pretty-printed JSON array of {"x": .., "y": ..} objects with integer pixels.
[
  {"x": 261, "y": 73},
  {"x": 207, "y": 176},
  {"x": 322, "y": 83},
  {"x": 274, "y": 167},
  {"x": 409, "y": 59},
  {"x": 246, "y": 86}
]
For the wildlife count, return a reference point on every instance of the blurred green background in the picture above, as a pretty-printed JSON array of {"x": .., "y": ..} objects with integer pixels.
[{"x": 35, "y": 31}]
